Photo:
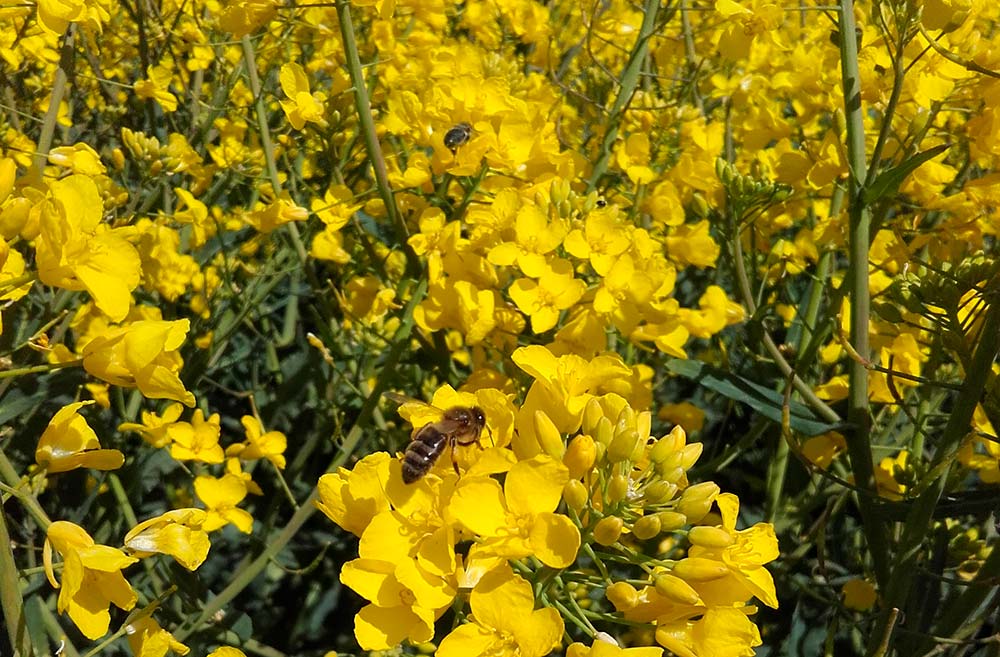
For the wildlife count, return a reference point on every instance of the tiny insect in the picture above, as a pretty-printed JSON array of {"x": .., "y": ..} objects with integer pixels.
[
  {"x": 459, "y": 425},
  {"x": 457, "y": 136}
]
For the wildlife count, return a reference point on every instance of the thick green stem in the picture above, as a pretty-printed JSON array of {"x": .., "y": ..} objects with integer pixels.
[
  {"x": 58, "y": 91},
  {"x": 859, "y": 436}
]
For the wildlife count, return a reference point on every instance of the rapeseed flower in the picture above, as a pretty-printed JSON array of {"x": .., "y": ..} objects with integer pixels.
[
  {"x": 178, "y": 533},
  {"x": 301, "y": 106},
  {"x": 519, "y": 520},
  {"x": 220, "y": 496},
  {"x": 197, "y": 440},
  {"x": 91, "y": 578},
  {"x": 69, "y": 443},
  {"x": 504, "y": 621},
  {"x": 147, "y": 639},
  {"x": 260, "y": 445}
]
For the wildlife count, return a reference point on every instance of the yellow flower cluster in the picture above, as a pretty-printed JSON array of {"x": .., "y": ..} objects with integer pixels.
[{"x": 622, "y": 489}]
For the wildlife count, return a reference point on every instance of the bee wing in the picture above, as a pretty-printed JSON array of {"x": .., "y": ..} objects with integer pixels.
[{"x": 417, "y": 412}]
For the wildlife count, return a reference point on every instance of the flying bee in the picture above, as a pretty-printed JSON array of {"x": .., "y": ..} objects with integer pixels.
[
  {"x": 457, "y": 136},
  {"x": 459, "y": 425}
]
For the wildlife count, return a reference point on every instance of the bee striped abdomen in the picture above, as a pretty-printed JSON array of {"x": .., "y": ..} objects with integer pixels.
[{"x": 422, "y": 452}]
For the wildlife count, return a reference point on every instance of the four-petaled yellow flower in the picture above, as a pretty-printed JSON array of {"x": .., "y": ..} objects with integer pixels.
[
  {"x": 221, "y": 495},
  {"x": 519, "y": 520},
  {"x": 301, "y": 106},
  {"x": 197, "y": 440},
  {"x": 91, "y": 578},
  {"x": 258, "y": 445},
  {"x": 505, "y": 621}
]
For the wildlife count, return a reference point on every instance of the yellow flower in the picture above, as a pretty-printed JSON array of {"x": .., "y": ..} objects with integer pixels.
[
  {"x": 246, "y": 16},
  {"x": 606, "y": 646},
  {"x": 351, "y": 498},
  {"x": 742, "y": 555},
  {"x": 221, "y": 497},
  {"x": 556, "y": 290},
  {"x": 178, "y": 533},
  {"x": 69, "y": 443},
  {"x": 520, "y": 519},
  {"x": 154, "y": 429},
  {"x": 78, "y": 158},
  {"x": 76, "y": 252},
  {"x": 277, "y": 213},
  {"x": 301, "y": 106},
  {"x": 226, "y": 651},
  {"x": 889, "y": 476},
  {"x": 197, "y": 440},
  {"x": 155, "y": 87},
  {"x": 505, "y": 621},
  {"x": 91, "y": 578},
  {"x": 535, "y": 237},
  {"x": 603, "y": 238},
  {"x": 143, "y": 355},
  {"x": 405, "y": 600},
  {"x": 720, "y": 632},
  {"x": 270, "y": 445},
  {"x": 822, "y": 449},
  {"x": 632, "y": 156},
  {"x": 147, "y": 639}
]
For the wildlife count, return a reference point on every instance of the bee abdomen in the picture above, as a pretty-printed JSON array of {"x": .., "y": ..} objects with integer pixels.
[{"x": 421, "y": 454}]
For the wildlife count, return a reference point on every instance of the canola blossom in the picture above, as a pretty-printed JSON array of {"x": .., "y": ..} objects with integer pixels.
[{"x": 717, "y": 281}]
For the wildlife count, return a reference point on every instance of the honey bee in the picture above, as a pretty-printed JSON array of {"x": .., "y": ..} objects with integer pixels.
[
  {"x": 457, "y": 135},
  {"x": 459, "y": 425}
]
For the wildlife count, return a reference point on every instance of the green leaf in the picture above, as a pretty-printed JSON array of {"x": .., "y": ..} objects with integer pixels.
[
  {"x": 888, "y": 181},
  {"x": 765, "y": 401}
]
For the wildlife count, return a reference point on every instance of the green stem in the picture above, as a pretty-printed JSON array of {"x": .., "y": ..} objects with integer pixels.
[
  {"x": 58, "y": 91},
  {"x": 37, "y": 369},
  {"x": 629, "y": 83},
  {"x": 921, "y": 514},
  {"x": 250, "y": 570},
  {"x": 859, "y": 436},
  {"x": 364, "y": 110},
  {"x": 10, "y": 595},
  {"x": 26, "y": 499},
  {"x": 260, "y": 109}
]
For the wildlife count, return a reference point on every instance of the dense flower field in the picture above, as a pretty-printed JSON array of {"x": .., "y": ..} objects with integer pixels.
[{"x": 499, "y": 327}]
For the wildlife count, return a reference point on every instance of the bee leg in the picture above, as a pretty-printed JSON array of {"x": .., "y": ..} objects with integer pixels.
[{"x": 454, "y": 456}]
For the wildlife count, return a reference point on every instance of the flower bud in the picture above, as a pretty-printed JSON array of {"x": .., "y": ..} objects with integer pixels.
[
  {"x": 622, "y": 595},
  {"x": 659, "y": 492},
  {"x": 604, "y": 432},
  {"x": 548, "y": 435},
  {"x": 699, "y": 569},
  {"x": 644, "y": 423},
  {"x": 710, "y": 537},
  {"x": 646, "y": 527},
  {"x": 670, "y": 475},
  {"x": 592, "y": 414},
  {"x": 580, "y": 456},
  {"x": 671, "y": 520},
  {"x": 676, "y": 590},
  {"x": 662, "y": 449},
  {"x": 608, "y": 530},
  {"x": 697, "y": 500},
  {"x": 690, "y": 455},
  {"x": 622, "y": 445},
  {"x": 575, "y": 494},
  {"x": 625, "y": 419},
  {"x": 617, "y": 488}
]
